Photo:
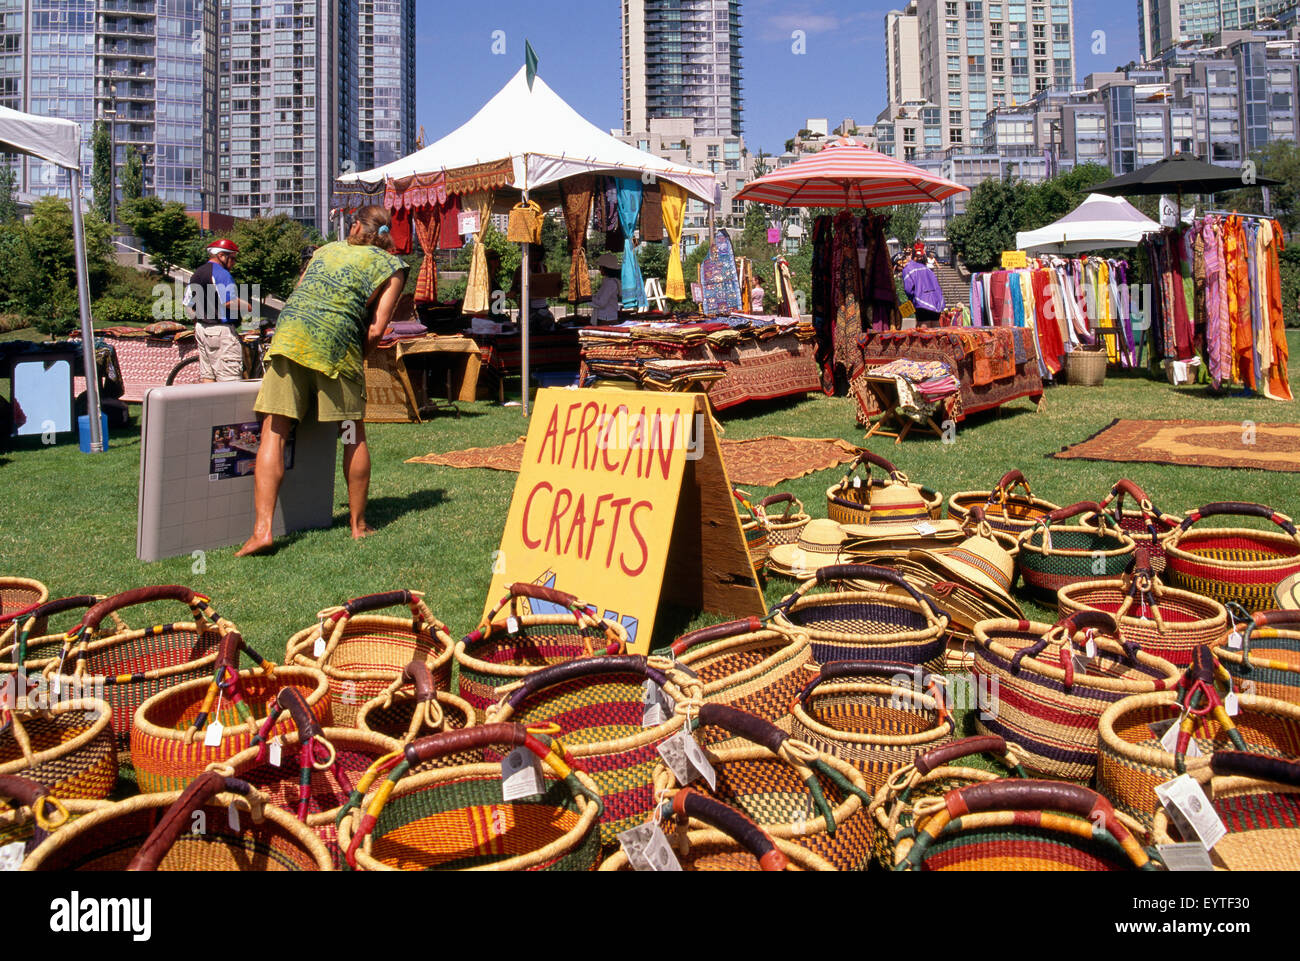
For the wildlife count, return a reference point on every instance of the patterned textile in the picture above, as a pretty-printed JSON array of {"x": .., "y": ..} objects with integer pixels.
[
  {"x": 629, "y": 209},
  {"x": 488, "y": 176},
  {"x": 478, "y": 286},
  {"x": 842, "y": 363},
  {"x": 416, "y": 191},
  {"x": 674, "y": 208},
  {"x": 719, "y": 279},
  {"x": 1191, "y": 443},
  {"x": 577, "y": 192},
  {"x": 1278, "y": 385},
  {"x": 145, "y": 362},
  {"x": 351, "y": 197},
  {"x": 428, "y": 227}
]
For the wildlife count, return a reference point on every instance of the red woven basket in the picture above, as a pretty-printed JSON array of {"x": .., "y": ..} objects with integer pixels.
[{"x": 1233, "y": 564}]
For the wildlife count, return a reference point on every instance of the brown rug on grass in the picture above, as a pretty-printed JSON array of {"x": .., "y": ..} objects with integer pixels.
[
  {"x": 762, "y": 462},
  {"x": 1193, "y": 443}
]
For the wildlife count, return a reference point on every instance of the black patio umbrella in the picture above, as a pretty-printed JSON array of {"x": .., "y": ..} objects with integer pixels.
[{"x": 1180, "y": 174}]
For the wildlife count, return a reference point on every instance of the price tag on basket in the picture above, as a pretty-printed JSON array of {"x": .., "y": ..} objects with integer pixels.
[
  {"x": 1169, "y": 740},
  {"x": 277, "y": 747},
  {"x": 1234, "y": 641},
  {"x": 212, "y": 736},
  {"x": 1190, "y": 810},
  {"x": 685, "y": 759},
  {"x": 232, "y": 817},
  {"x": 1232, "y": 704},
  {"x": 659, "y": 706},
  {"x": 647, "y": 849},
  {"x": 521, "y": 775},
  {"x": 512, "y": 625},
  {"x": 925, "y": 528},
  {"x": 11, "y": 856},
  {"x": 1188, "y": 856}
]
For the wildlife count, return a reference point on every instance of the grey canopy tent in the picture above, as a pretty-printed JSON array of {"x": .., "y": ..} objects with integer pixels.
[{"x": 59, "y": 142}]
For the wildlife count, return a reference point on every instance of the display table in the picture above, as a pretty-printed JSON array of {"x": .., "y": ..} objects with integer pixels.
[
  {"x": 404, "y": 378},
  {"x": 995, "y": 365},
  {"x": 147, "y": 360}
]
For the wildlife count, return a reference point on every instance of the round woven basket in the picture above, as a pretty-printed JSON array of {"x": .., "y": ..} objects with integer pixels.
[
  {"x": 17, "y": 594},
  {"x": 1085, "y": 366},
  {"x": 68, "y": 747},
  {"x": 1053, "y": 555},
  {"x": 708, "y": 850},
  {"x": 1262, "y": 653},
  {"x": 849, "y": 501},
  {"x": 29, "y": 812},
  {"x": 1005, "y": 509},
  {"x": 27, "y": 645},
  {"x": 1146, "y": 524},
  {"x": 1233, "y": 564},
  {"x": 786, "y": 518}
]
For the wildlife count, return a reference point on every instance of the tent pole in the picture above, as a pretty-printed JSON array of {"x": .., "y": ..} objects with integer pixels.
[
  {"x": 524, "y": 269},
  {"x": 87, "y": 333}
]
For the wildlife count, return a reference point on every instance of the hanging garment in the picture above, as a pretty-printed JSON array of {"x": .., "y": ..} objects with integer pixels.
[
  {"x": 1277, "y": 385},
  {"x": 846, "y": 295},
  {"x": 976, "y": 313},
  {"x": 576, "y": 194},
  {"x": 1258, "y": 347},
  {"x": 652, "y": 215},
  {"x": 448, "y": 214},
  {"x": 399, "y": 231},
  {"x": 1002, "y": 313},
  {"x": 785, "y": 288},
  {"x": 629, "y": 209},
  {"x": 718, "y": 278},
  {"x": 1049, "y": 334},
  {"x": 1218, "y": 338},
  {"x": 478, "y": 286},
  {"x": 606, "y": 218},
  {"x": 880, "y": 295},
  {"x": 674, "y": 208},
  {"x": 428, "y": 226},
  {"x": 1243, "y": 341}
]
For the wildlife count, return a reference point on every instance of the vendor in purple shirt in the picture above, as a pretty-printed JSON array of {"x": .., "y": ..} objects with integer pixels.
[{"x": 922, "y": 288}]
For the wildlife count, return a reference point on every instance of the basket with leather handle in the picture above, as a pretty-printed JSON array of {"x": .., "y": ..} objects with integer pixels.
[
  {"x": 1262, "y": 651},
  {"x": 598, "y": 705},
  {"x": 855, "y": 618},
  {"x": 1022, "y": 825},
  {"x": 19, "y": 594},
  {"x": 1258, "y": 800},
  {"x": 68, "y": 745},
  {"x": 1166, "y": 622},
  {"x": 753, "y": 524},
  {"x": 731, "y": 842},
  {"x": 134, "y": 666},
  {"x": 29, "y": 647},
  {"x": 1233, "y": 563},
  {"x": 525, "y": 225},
  {"x": 1054, "y": 554},
  {"x": 863, "y": 713},
  {"x": 412, "y": 708},
  {"x": 795, "y": 792},
  {"x": 849, "y": 501},
  {"x": 1132, "y": 759},
  {"x": 215, "y": 824},
  {"x": 1048, "y": 685},
  {"x": 179, "y": 733},
  {"x": 311, "y": 771},
  {"x": 456, "y": 818},
  {"x": 747, "y": 665},
  {"x": 1145, "y": 523},
  {"x": 532, "y": 627},
  {"x": 912, "y": 788},
  {"x": 29, "y": 812},
  {"x": 786, "y": 518},
  {"x": 364, "y": 652},
  {"x": 1006, "y": 509}
]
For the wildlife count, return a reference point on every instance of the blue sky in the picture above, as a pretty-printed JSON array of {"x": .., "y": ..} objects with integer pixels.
[{"x": 578, "y": 41}]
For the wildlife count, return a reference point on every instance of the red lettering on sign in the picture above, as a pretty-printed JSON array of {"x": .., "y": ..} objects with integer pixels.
[
  {"x": 584, "y": 432},
  {"x": 558, "y": 511},
  {"x": 551, "y": 428},
  {"x": 640, "y": 539},
  {"x": 618, "y": 506},
  {"x": 564, "y": 439},
  {"x": 578, "y": 527},
  {"x": 531, "y": 544},
  {"x": 597, "y": 523}
]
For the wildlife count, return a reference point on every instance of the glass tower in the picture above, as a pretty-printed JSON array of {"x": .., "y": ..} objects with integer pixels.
[{"x": 386, "y": 81}]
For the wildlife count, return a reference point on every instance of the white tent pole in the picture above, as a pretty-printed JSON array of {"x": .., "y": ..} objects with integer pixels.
[
  {"x": 524, "y": 269},
  {"x": 87, "y": 333}
]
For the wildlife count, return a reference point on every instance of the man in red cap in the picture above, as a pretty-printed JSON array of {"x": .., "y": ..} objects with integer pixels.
[{"x": 211, "y": 296}]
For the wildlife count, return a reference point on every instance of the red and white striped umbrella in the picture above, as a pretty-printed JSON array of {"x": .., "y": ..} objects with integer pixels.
[{"x": 848, "y": 173}]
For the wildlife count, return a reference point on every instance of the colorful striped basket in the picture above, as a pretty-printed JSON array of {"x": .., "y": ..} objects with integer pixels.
[
  {"x": 1147, "y": 524},
  {"x": 1165, "y": 622},
  {"x": 456, "y": 818},
  {"x": 753, "y": 523},
  {"x": 795, "y": 792},
  {"x": 1045, "y": 702},
  {"x": 597, "y": 705},
  {"x": 871, "y": 715},
  {"x": 29, "y": 812},
  {"x": 849, "y": 501},
  {"x": 412, "y": 708},
  {"x": 157, "y": 832},
  {"x": 68, "y": 746},
  {"x": 1053, "y": 555},
  {"x": 784, "y": 527},
  {"x": 1006, "y": 510},
  {"x": 30, "y": 649},
  {"x": 364, "y": 652},
  {"x": 532, "y": 627},
  {"x": 1258, "y": 799},
  {"x": 1234, "y": 563},
  {"x": 1015, "y": 825},
  {"x": 1267, "y": 659},
  {"x": 858, "y": 620},
  {"x": 19, "y": 594}
]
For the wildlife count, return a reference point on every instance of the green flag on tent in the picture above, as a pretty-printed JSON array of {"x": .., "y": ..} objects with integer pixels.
[{"x": 530, "y": 62}]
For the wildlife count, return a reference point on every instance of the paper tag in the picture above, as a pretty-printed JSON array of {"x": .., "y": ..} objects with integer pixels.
[
  {"x": 685, "y": 759},
  {"x": 11, "y": 855},
  {"x": 1188, "y": 856},
  {"x": 512, "y": 625},
  {"x": 212, "y": 737},
  {"x": 318, "y": 649},
  {"x": 647, "y": 849},
  {"x": 276, "y": 751},
  {"x": 659, "y": 706},
  {"x": 521, "y": 775},
  {"x": 232, "y": 817},
  {"x": 1234, "y": 641},
  {"x": 1190, "y": 810},
  {"x": 857, "y": 483},
  {"x": 1170, "y": 742},
  {"x": 1090, "y": 648},
  {"x": 469, "y": 223},
  {"x": 1231, "y": 705},
  {"x": 1047, "y": 541},
  {"x": 1081, "y": 662},
  {"x": 56, "y": 685},
  {"x": 925, "y": 528},
  {"x": 679, "y": 666}
]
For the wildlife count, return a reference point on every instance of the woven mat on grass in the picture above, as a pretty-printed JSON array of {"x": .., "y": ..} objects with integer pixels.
[
  {"x": 1193, "y": 443},
  {"x": 762, "y": 462}
]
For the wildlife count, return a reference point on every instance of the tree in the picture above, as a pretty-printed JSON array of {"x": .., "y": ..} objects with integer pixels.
[
  {"x": 1053, "y": 199},
  {"x": 101, "y": 174},
  {"x": 904, "y": 223},
  {"x": 132, "y": 175},
  {"x": 988, "y": 227},
  {"x": 1279, "y": 160},
  {"x": 270, "y": 253},
  {"x": 40, "y": 268},
  {"x": 165, "y": 229},
  {"x": 753, "y": 239}
]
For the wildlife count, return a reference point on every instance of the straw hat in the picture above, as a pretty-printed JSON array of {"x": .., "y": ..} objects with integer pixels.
[
  {"x": 897, "y": 503},
  {"x": 820, "y": 544},
  {"x": 979, "y": 562},
  {"x": 1288, "y": 593},
  {"x": 901, "y": 538}
]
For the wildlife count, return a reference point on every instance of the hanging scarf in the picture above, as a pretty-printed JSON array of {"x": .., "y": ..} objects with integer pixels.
[
  {"x": 428, "y": 226},
  {"x": 576, "y": 193},
  {"x": 629, "y": 209},
  {"x": 674, "y": 210},
  {"x": 478, "y": 286},
  {"x": 1277, "y": 386}
]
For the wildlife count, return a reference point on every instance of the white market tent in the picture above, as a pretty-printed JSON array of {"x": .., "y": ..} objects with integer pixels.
[
  {"x": 546, "y": 141},
  {"x": 59, "y": 142},
  {"x": 1097, "y": 223}
]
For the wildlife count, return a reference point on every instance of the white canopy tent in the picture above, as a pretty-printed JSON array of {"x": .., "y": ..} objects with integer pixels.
[
  {"x": 546, "y": 141},
  {"x": 1097, "y": 223},
  {"x": 59, "y": 142}
]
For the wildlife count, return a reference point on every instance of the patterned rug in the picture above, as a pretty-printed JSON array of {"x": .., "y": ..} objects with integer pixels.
[
  {"x": 762, "y": 462},
  {"x": 1193, "y": 443}
]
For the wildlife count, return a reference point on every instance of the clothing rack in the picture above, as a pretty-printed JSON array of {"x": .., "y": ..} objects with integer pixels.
[{"x": 1233, "y": 213}]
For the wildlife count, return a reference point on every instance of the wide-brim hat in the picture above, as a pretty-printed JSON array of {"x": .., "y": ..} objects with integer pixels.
[
  {"x": 965, "y": 605},
  {"x": 820, "y": 544},
  {"x": 608, "y": 262},
  {"x": 1288, "y": 593},
  {"x": 980, "y": 562},
  {"x": 897, "y": 503}
]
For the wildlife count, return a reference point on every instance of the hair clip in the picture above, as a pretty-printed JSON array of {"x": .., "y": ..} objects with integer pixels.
[{"x": 384, "y": 229}]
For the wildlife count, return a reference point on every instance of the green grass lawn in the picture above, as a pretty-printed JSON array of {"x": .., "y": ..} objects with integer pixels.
[{"x": 69, "y": 518}]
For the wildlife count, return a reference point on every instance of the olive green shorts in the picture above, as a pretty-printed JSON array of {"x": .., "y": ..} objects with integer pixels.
[{"x": 298, "y": 392}]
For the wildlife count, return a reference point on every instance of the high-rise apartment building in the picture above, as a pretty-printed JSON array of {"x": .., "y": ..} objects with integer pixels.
[
  {"x": 1163, "y": 23},
  {"x": 385, "y": 81},
  {"x": 682, "y": 60}
]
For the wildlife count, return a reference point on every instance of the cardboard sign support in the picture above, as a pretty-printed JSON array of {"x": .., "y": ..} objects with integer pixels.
[{"x": 624, "y": 501}]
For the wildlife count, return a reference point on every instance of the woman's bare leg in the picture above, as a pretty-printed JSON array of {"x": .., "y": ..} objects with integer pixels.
[
  {"x": 267, "y": 476},
  {"x": 356, "y": 468}
]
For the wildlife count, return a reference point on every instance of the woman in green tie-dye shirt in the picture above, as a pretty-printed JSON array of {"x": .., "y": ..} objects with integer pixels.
[{"x": 338, "y": 313}]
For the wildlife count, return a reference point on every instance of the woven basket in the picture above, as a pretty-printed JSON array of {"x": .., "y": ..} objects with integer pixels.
[
  {"x": 1085, "y": 366},
  {"x": 1267, "y": 661},
  {"x": 793, "y": 791},
  {"x": 1147, "y": 524},
  {"x": 1131, "y": 761},
  {"x": 1258, "y": 800},
  {"x": 158, "y": 832},
  {"x": 364, "y": 652},
  {"x": 733, "y": 842},
  {"x": 1017, "y": 825},
  {"x": 29, "y": 648},
  {"x": 1005, "y": 510},
  {"x": 1165, "y": 622},
  {"x": 1043, "y": 703},
  {"x": 1053, "y": 555},
  {"x": 597, "y": 705},
  {"x": 29, "y": 812},
  {"x": 18, "y": 594},
  {"x": 550, "y": 627},
  {"x": 412, "y": 707},
  {"x": 858, "y": 621},
  {"x": 877, "y": 725},
  {"x": 753, "y": 523},
  {"x": 786, "y": 526},
  {"x": 748, "y": 666},
  {"x": 68, "y": 746},
  {"x": 1233, "y": 564},
  {"x": 455, "y": 819},
  {"x": 168, "y": 748},
  {"x": 849, "y": 501}
]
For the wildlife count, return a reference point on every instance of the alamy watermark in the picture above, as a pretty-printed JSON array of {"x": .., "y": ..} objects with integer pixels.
[{"x": 954, "y": 692}]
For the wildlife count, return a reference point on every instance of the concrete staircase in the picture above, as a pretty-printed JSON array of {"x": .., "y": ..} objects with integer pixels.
[{"x": 955, "y": 284}]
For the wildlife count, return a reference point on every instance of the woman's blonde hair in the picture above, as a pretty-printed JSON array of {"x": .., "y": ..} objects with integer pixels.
[{"x": 375, "y": 223}]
